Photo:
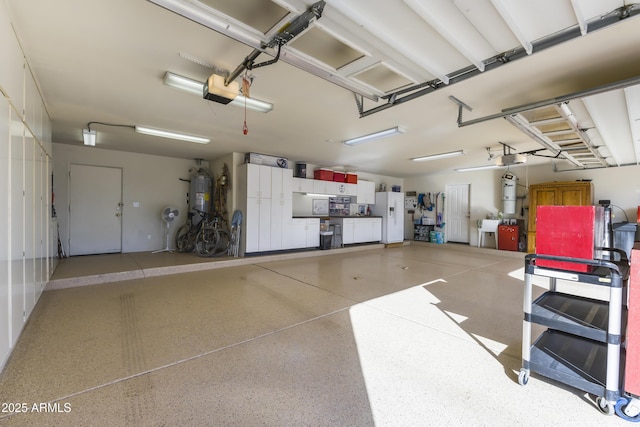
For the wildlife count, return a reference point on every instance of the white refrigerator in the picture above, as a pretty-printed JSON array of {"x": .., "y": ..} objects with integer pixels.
[{"x": 390, "y": 206}]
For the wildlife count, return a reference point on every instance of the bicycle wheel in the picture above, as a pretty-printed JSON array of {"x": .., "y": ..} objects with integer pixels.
[
  {"x": 184, "y": 242},
  {"x": 207, "y": 241}
]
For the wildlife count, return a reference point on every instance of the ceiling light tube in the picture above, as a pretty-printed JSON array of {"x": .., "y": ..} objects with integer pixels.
[
  {"x": 320, "y": 195},
  {"x": 89, "y": 137},
  {"x": 195, "y": 87},
  {"x": 172, "y": 135},
  {"x": 373, "y": 136},
  {"x": 438, "y": 156},
  {"x": 478, "y": 168}
]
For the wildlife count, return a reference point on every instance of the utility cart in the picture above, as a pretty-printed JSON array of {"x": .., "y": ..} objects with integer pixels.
[{"x": 583, "y": 343}]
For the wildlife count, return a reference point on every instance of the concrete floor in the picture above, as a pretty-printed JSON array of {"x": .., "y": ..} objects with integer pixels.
[{"x": 421, "y": 334}]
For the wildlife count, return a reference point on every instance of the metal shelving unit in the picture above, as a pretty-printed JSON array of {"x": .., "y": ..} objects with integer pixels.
[
  {"x": 422, "y": 232},
  {"x": 583, "y": 345}
]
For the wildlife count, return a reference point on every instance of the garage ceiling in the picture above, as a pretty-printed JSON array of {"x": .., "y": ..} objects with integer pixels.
[{"x": 361, "y": 67}]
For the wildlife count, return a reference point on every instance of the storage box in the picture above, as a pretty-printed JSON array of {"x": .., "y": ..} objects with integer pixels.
[
  {"x": 395, "y": 188},
  {"x": 351, "y": 178},
  {"x": 339, "y": 177},
  {"x": 428, "y": 221},
  {"x": 263, "y": 159},
  {"x": 569, "y": 231},
  {"x": 323, "y": 174}
]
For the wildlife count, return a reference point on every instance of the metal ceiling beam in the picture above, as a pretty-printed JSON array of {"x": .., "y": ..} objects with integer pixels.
[{"x": 462, "y": 74}]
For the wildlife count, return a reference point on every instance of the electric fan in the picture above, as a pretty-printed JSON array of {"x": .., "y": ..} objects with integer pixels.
[{"x": 168, "y": 215}]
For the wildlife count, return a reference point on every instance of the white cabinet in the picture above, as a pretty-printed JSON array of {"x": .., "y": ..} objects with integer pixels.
[
  {"x": 347, "y": 230},
  {"x": 360, "y": 229},
  {"x": 344, "y": 189},
  {"x": 303, "y": 233},
  {"x": 267, "y": 206},
  {"x": 302, "y": 185},
  {"x": 325, "y": 187},
  {"x": 281, "y": 206},
  {"x": 367, "y": 230},
  {"x": 366, "y": 192}
]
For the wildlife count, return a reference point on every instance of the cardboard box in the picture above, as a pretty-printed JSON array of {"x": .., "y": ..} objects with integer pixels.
[{"x": 263, "y": 159}]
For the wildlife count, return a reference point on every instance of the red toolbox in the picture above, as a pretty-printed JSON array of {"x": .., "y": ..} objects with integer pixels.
[
  {"x": 323, "y": 174},
  {"x": 569, "y": 231}
]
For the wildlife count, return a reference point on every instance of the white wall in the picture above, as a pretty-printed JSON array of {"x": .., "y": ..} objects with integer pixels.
[
  {"x": 153, "y": 182},
  {"x": 621, "y": 185},
  {"x": 26, "y": 244}
]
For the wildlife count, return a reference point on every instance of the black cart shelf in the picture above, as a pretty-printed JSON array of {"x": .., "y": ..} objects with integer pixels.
[{"x": 583, "y": 345}]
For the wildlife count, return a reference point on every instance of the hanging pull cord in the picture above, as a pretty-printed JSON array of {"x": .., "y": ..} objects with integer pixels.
[{"x": 245, "y": 92}]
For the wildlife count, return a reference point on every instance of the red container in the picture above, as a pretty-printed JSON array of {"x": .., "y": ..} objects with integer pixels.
[
  {"x": 569, "y": 231},
  {"x": 632, "y": 365},
  {"x": 323, "y": 174},
  {"x": 508, "y": 237},
  {"x": 339, "y": 177},
  {"x": 352, "y": 178}
]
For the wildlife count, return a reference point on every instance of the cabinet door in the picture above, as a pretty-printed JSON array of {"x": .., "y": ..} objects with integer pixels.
[
  {"x": 313, "y": 232},
  {"x": 319, "y": 186},
  {"x": 377, "y": 229},
  {"x": 251, "y": 226},
  {"x": 540, "y": 196},
  {"x": 366, "y": 192},
  {"x": 573, "y": 195},
  {"x": 331, "y": 188},
  {"x": 287, "y": 184},
  {"x": 264, "y": 231},
  {"x": 352, "y": 189},
  {"x": 296, "y": 235},
  {"x": 347, "y": 231},
  {"x": 258, "y": 181}
]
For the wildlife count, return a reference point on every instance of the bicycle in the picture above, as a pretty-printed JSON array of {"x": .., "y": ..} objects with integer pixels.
[{"x": 206, "y": 236}]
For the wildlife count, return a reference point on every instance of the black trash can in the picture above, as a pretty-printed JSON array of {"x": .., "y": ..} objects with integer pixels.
[{"x": 325, "y": 239}]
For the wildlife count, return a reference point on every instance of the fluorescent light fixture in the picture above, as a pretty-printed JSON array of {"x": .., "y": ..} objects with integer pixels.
[
  {"x": 438, "y": 156},
  {"x": 171, "y": 135},
  {"x": 193, "y": 86},
  {"x": 89, "y": 137},
  {"x": 320, "y": 195},
  {"x": 478, "y": 168},
  {"x": 373, "y": 136}
]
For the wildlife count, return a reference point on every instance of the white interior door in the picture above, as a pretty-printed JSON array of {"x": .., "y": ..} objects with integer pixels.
[
  {"x": 95, "y": 210},
  {"x": 457, "y": 213}
]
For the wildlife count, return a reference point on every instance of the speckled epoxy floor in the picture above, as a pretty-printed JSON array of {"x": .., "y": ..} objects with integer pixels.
[{"x": 415, "y": 335}]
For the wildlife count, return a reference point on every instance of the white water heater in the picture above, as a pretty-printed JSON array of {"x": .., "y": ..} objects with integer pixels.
[
  {"x": 509, "y": 183},
  {"x": 200, "y": 193}
]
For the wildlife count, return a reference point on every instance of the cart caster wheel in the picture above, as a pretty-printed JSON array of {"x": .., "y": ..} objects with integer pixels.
[
  {"x": 605, "y": 407},
  {"x": 523, "y": 377},
  {"x": 621, "y": 404}
]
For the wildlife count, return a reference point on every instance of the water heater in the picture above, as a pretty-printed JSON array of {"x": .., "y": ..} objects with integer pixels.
[
  {"x": 200, "y": 193},
  {"x": 509, "y": 183}
]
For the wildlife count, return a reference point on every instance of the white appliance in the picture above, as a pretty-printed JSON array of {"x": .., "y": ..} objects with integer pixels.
[{"x": 390, "y": 206}]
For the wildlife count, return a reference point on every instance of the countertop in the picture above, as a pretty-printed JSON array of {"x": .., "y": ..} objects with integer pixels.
[{"x": 336, "y": 216}]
